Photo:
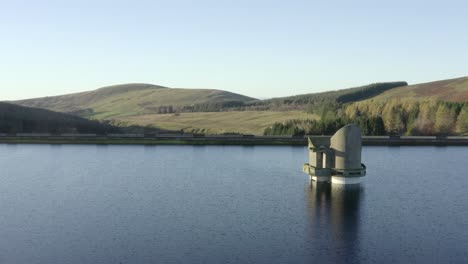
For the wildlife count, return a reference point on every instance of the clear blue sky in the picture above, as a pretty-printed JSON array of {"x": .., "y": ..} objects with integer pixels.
[{"x": 258, "y": 48}]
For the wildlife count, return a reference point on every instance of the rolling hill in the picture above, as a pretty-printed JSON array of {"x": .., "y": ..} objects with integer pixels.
[
  {"x": 340, "y": 96},
  {"x": 20, "y": 119},
  {"x": 452, "y": 90},
  {"x": 132, "y": 99},
  {"x": 431, "y": 108}
]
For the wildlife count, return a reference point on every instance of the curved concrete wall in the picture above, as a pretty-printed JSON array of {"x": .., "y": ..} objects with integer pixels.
[{"x": 347, "y": 145}]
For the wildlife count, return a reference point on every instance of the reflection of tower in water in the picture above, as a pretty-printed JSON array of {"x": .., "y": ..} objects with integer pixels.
[{"x": 334, "y": 215}]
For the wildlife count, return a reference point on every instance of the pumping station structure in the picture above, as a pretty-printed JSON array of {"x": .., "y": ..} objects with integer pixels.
[{"x": 336, "y": 159}]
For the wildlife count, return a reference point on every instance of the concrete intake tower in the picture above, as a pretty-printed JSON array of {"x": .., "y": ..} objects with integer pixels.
[{"x": 336, "y": 159}]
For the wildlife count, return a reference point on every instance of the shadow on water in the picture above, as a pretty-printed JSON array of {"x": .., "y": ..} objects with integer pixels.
[{"x": 334, "y": 221}]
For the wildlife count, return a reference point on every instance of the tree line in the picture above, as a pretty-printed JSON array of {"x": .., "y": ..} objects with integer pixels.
[
  {"x": 393, "y": 117},
  {"x": 369, "y": 126},
  {"x": 411, "y": 117}
]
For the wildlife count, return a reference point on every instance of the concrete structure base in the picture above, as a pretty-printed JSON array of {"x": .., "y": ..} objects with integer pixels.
[
  {"x": 320, "y": 178},
  {"x": 346, "y": 180}
]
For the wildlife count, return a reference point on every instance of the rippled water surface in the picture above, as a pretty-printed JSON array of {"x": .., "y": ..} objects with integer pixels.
[{"x": 215, "y": 204}]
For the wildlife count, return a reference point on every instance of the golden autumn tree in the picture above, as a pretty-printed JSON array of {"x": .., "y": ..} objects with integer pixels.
[
  {"x": 424, "y": 123},
  {"x": 444, "y": 120},
  {"x": 462, "y": 121}
]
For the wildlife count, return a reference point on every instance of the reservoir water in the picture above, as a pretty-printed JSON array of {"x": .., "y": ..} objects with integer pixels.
[{"x": 228, "y": 204}]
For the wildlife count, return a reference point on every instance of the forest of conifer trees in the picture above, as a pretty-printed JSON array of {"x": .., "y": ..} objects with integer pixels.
[{"x": 393, "y": 117}]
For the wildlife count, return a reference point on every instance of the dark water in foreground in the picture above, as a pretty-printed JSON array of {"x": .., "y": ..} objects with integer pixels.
[{"x": 184, "y": 204}]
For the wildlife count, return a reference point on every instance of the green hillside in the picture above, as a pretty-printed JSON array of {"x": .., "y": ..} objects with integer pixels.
[
  {"x": 436, "y": 108},
  {"x": 452, "y": 90},
  {"x": 255, "y": 116},
  {"x": 198, "y": 110},
  {"x": 334, "y": 97},
  {"x": 19, "y": 119},
  {"x": 133, "y": 99}
]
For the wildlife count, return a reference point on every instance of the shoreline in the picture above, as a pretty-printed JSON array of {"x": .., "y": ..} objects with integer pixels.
[{"x": 220, "y": 140}]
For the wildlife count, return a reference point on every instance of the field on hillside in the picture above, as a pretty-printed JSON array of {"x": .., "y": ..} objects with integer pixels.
[{"x": 247, "y": 122}]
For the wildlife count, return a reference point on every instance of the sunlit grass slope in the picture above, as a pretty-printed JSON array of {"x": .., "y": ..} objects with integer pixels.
[
  {"x": 248, "y": 122},
  {"x": 129, "y": 99},
  {"x": 452, "y": 90}
]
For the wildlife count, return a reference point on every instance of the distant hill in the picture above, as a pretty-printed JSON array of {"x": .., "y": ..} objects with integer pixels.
[
  {"x": 339, "y": 96},
  {"x": 452, "y": 90},
  {"x": 142, "y": 99},
  {"x": 435, "y": 108},
  {"x": 134, "y": 99},
  {"x": 20, "y": 119}
]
